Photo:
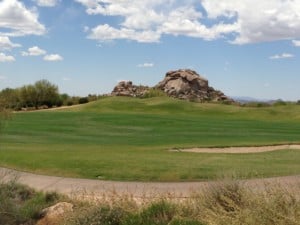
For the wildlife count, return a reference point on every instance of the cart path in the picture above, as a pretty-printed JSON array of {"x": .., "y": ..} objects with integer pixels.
[
  {"x": 86, "y": 187},
  {"x": 239, "y": 150}
]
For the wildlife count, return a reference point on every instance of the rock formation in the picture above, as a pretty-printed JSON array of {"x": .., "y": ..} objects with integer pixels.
[
  {"x": 183, "y": 84},
  {"x": 187, "y": 84},
  {"x": 126, "y": 88}
]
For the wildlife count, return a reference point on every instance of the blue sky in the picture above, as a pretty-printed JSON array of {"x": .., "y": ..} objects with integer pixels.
[{"x": 244, "y": 48}]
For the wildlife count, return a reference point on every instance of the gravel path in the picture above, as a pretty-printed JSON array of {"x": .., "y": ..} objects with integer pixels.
[
  {"x": 86, "y": 187},
  {"x": 239, "y": 150}
]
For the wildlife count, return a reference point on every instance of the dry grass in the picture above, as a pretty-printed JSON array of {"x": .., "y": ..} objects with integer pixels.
[{"x": 227, "y": 202}]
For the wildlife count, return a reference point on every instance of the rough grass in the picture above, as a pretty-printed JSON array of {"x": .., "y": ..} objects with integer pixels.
[
  {"x": 127, "y": 139},
  {"x": 222, "y": 203}
]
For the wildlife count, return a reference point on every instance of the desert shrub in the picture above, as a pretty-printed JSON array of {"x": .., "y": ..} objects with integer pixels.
[
  {"x": 83, "y": 100},
  {"x": 280, "y": 103},
  {"x": 159, "y": 213},
  {"x": 100, "y": 215},
  {"x": 20, "y": 204},
  {"x": 153, "y": 92},
  {"x": 185, "y": 222},
  {"x": 256, "y": 104},
  {"x": 228, "y": 202}
]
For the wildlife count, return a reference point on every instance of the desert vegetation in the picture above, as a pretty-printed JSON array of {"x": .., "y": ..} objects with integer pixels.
[
  {"x": 40, "y": 95},
  {"x": 20, "y": 204},
  {"x": 224, "y": 202}
]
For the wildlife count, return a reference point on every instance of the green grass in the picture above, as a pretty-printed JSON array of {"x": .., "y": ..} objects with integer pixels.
[{"x": 127, "y": 139}]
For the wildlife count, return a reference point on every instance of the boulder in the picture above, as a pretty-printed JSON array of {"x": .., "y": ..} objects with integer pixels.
[
  {"x": 127, "y": 88},
  {"x": 188, "y": 84},
  {"x": 52, "y": 215}
]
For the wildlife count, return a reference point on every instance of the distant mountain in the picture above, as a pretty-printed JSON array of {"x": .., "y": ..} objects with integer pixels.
[{"x": 245, "y": 99}]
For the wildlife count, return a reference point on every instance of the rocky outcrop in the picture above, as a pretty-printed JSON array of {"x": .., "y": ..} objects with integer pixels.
[
  {"x": 127, "y": 88},
  {"x": 188, "y": 84}
]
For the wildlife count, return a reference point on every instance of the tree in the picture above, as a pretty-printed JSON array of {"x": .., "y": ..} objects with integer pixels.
[
  {"x": 11, "y": 97},
  {"x": 46, "y": 93},
  {"x": 28, "y": 96},
  {"x": 40, "y": 94}
]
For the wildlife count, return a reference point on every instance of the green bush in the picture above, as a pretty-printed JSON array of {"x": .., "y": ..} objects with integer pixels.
[
  {"x": 83, "y": 100},
  {"x": 159, "y": 213},
  {"x": 102, "y": 215},
  {"x": 21, "y": 205},
  {"x": 153, "y": 92}
]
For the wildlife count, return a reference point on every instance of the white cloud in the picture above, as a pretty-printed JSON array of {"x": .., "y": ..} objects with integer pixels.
[
  {"x": 282, "y": 56},
  {"x": 46, "y": 3},
  {"x": 66, "y": 79},
  {"x": 34, "y": 51},
  {"x": 17, "y": 20},
  {"x": 106, "y": 33},
  {"x": 146, "y": 21},
  {"x": 6, "y": 58},
  {"x": 53, "y": 57},
  {"x": 3, "y": 77},
  {"x": 6, "y": 44},
  {"x": 146, "y": 65},
  {"x": 258, "y": 21},
  {"x": 296, "y": 43},
  {"x": 240, "y": 22}
]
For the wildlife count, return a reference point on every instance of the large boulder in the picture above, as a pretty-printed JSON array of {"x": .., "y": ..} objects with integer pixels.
[
  {"x": 127, "y": 88},
  {"x": 188, "y": 84}
]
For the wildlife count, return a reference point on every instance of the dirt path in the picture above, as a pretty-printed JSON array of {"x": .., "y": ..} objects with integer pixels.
[
  {"x": 239, "y": 150},
  {"x": 85, "y": 187}
]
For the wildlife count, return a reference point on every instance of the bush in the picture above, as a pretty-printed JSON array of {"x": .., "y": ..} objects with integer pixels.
[
  {"x": 153, "y": 92},
  {"x": 103, "y": 215},
  {"x": 83, "y": 100},
  {"x": 256, "y": 104},
  {"x": 20, "y": 204},
  {"x": 159, "y": 213},
  {"x": 279, "y": 103}
]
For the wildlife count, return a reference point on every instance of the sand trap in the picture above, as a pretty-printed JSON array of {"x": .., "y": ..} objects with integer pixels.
[{"x": 238, "y": 150}]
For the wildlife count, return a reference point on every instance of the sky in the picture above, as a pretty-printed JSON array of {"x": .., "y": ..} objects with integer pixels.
[{"x": 244, "y": 48}]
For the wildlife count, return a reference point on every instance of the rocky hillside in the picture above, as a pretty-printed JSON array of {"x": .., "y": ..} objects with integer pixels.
[
  {"x": 183, "y": 84},
  {"x": 188, "y": 84},
  {"x": 127, "y": 88}
]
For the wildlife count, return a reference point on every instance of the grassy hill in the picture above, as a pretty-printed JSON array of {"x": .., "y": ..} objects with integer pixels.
[{"x": 127, "y": 139}]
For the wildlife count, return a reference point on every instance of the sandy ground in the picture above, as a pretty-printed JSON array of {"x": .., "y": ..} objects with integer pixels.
[
  {"x": 86, "y": 188},
  {"x": 239, "y": 150}
]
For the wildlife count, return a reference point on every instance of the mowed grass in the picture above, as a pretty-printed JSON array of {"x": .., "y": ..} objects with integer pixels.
[{"x": 128, "y": 139}]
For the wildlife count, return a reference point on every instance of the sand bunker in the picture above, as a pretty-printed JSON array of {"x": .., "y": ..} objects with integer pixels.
[{"x": 238, "y": 150}]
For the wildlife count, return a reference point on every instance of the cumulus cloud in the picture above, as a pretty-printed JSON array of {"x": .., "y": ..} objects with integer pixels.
[
  {"x": 282, "y": 56},
  {"x": 6, "y": 44},
  {"x": 106, "y": 33},
  {"x": 146, "y": 65},
  {"x": 46, "y": 3},
  {"x": 6, "y": 58},
  {"x": 240, "y": 22},
  {"x": 17, "y": 20},
  {"x": 34, "y": 51},
  {"x": 146, "y": 21},
  {"x": 296, "y": 43},
  {"x": 258, "y": 21},
  {"x": 53, "y": 57}
]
